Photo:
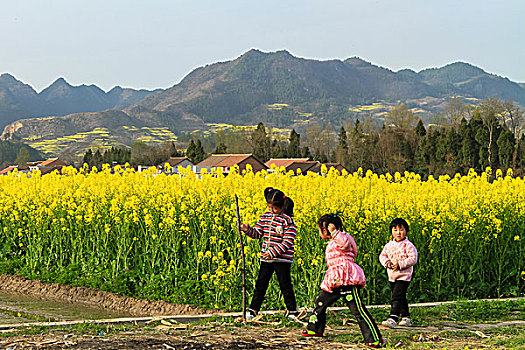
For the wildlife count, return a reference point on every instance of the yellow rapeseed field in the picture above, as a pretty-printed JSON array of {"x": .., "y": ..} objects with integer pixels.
[{"x": 173, "y": 237}]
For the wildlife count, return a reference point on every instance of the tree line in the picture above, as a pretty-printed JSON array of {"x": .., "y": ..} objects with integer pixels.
[{"x": 464, "y": 136}]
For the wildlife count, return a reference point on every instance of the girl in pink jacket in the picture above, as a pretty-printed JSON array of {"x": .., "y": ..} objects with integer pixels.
[
  {"x": 399, "y": 256},
  {"x": 343, "y": 279}
]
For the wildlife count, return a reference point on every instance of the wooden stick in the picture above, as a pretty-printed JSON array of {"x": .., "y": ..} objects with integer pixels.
[{"x": 243, "y": 260}]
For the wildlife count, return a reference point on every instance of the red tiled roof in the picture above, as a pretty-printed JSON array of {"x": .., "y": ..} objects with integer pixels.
[
  {"x": 48, "y": 161},
  {"x": 213, "y": 160},
  {"x": 8, "y": 169},
  {"x": 223, "y": 160},
  {"x": 285, "y": 162},
  {"x": 234, "y": 160}
]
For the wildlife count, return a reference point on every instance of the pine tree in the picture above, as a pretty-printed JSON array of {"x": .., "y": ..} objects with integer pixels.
[
  {"x": 469, "y": 148},
  {"x": 294, "y": 147},
  {"x": 88, "y": 157},
  {"x": 358, "y": 128},
  {"x": 261, "y": 143},
  {"x": 342, "y": 139},
  {"x": 520, "y": 153},
  {"x": 420, "y": 129},
  {"x": 97, "y": 159},
  {"x": 340, "y": 155},
  {"x": 505, "y": 143},
  {"x": 200, "y": 155},
  {"x": 191, "y": 152}
]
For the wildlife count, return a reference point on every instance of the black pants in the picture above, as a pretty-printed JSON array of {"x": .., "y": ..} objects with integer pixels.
[
  {"x": 283, "y": 272},
  {"x": 352, "y": 299},
  {"x": 399, "y": 302}
]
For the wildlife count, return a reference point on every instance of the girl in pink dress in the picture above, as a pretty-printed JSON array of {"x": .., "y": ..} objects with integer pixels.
[{"x": 343, "y": 279}]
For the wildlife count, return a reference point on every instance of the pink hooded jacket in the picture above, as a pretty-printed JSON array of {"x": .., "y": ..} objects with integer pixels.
[
  {"x": 403, "y": 253},
  {"x": 342, "y": 270}
]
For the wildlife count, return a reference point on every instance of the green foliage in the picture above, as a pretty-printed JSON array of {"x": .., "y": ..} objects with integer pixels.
[{"x": 17, "y": 153}]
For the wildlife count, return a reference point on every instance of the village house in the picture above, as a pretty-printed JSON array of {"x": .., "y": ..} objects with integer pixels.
[
  {"x": 175, "y": 163},
  {"x": 45, "y": 166},
  {"x": 291, "y": 164},
  {"x": 306, "y": 166},
  {"x": 224, "y": 162}
]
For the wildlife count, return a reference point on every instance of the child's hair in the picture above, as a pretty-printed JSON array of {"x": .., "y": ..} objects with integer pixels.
[
  {"x": 397, "y": 222},
  {"x": 277, "y": 198},
  {"x": 331, "y": 218}
]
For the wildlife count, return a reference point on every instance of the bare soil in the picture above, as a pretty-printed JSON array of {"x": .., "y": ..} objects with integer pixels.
[
  {"x": 94, "y": 298},
  {"x": 218, "y": 337}
]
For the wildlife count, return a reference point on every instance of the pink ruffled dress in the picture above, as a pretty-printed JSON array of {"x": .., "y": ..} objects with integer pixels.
[{"x": 342, "y": 270}]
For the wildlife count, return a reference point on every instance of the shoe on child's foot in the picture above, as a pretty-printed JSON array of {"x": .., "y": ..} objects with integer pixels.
[
  {"x": 390, "y": 322},
  {"x": 250, "y": 314},
  {"x": 292, "y": 315},
  {"x": 309, "y": 333},
  {"x": 378, "y": 344},
  {"x": 405, "y": 321}
]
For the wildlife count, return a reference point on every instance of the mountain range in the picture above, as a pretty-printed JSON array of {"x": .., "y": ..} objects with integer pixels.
[
  {"x": 276, "y": 88},
  {"x": 19, "y": 100}
]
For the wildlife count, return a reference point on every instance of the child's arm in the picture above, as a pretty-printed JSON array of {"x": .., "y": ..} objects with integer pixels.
[
  {"x": 411, "y": 260},
  {"x": 384, "y": 259},
  {"x": 253, "y": 232}
]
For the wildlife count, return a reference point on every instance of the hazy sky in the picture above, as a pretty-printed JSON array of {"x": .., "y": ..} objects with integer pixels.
[{"x": 155, "y": 43}]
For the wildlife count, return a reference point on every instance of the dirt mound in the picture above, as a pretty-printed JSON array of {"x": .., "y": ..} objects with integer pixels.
[{"x": 95, "y": 298}]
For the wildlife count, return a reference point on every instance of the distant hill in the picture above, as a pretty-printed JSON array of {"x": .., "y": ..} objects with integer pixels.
[
  {"x": 275, "y": 88},
  {"x": 19, "y": 100},
  {"x": 10, "y": 153}
]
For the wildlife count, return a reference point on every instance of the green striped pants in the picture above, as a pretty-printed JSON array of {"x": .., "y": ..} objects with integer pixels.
[{"x": 352, "y": 299}]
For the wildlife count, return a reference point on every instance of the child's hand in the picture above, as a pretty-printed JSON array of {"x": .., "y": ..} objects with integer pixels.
[
  {"x": 395, "y": 266},
  {"x": 266, "y": 255},
  {"x": 244, "y": 227},
  {"x": 331, "y": 229}
]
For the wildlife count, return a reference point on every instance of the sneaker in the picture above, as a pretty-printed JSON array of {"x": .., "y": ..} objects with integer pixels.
[
  {"x": 390, "y": 322},
  {"x": 250, "y": 314},
  {"x": 308, "y": 333},
  {"x": 377, "y": 344},
  {"x": 292, "y": 315},
  {"x": 405, "y": 321}
]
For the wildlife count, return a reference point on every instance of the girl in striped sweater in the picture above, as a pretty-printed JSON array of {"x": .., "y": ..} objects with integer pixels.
[
  {"x": 343, "y": 279},
  {"x": 278, "y": 231}
]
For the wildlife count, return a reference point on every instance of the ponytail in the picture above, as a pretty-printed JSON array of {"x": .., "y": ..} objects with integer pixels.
[{"x": 288, "y": 206}]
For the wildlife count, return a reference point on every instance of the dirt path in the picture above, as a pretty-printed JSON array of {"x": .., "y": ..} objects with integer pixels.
[
  {"x": 226, "y": 337},
  {"x": 94, "y": 298},
  {"x": 216, "y": 335}
]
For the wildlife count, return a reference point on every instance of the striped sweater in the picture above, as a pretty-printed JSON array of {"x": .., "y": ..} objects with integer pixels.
[{"x": 279, "y": 235}]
